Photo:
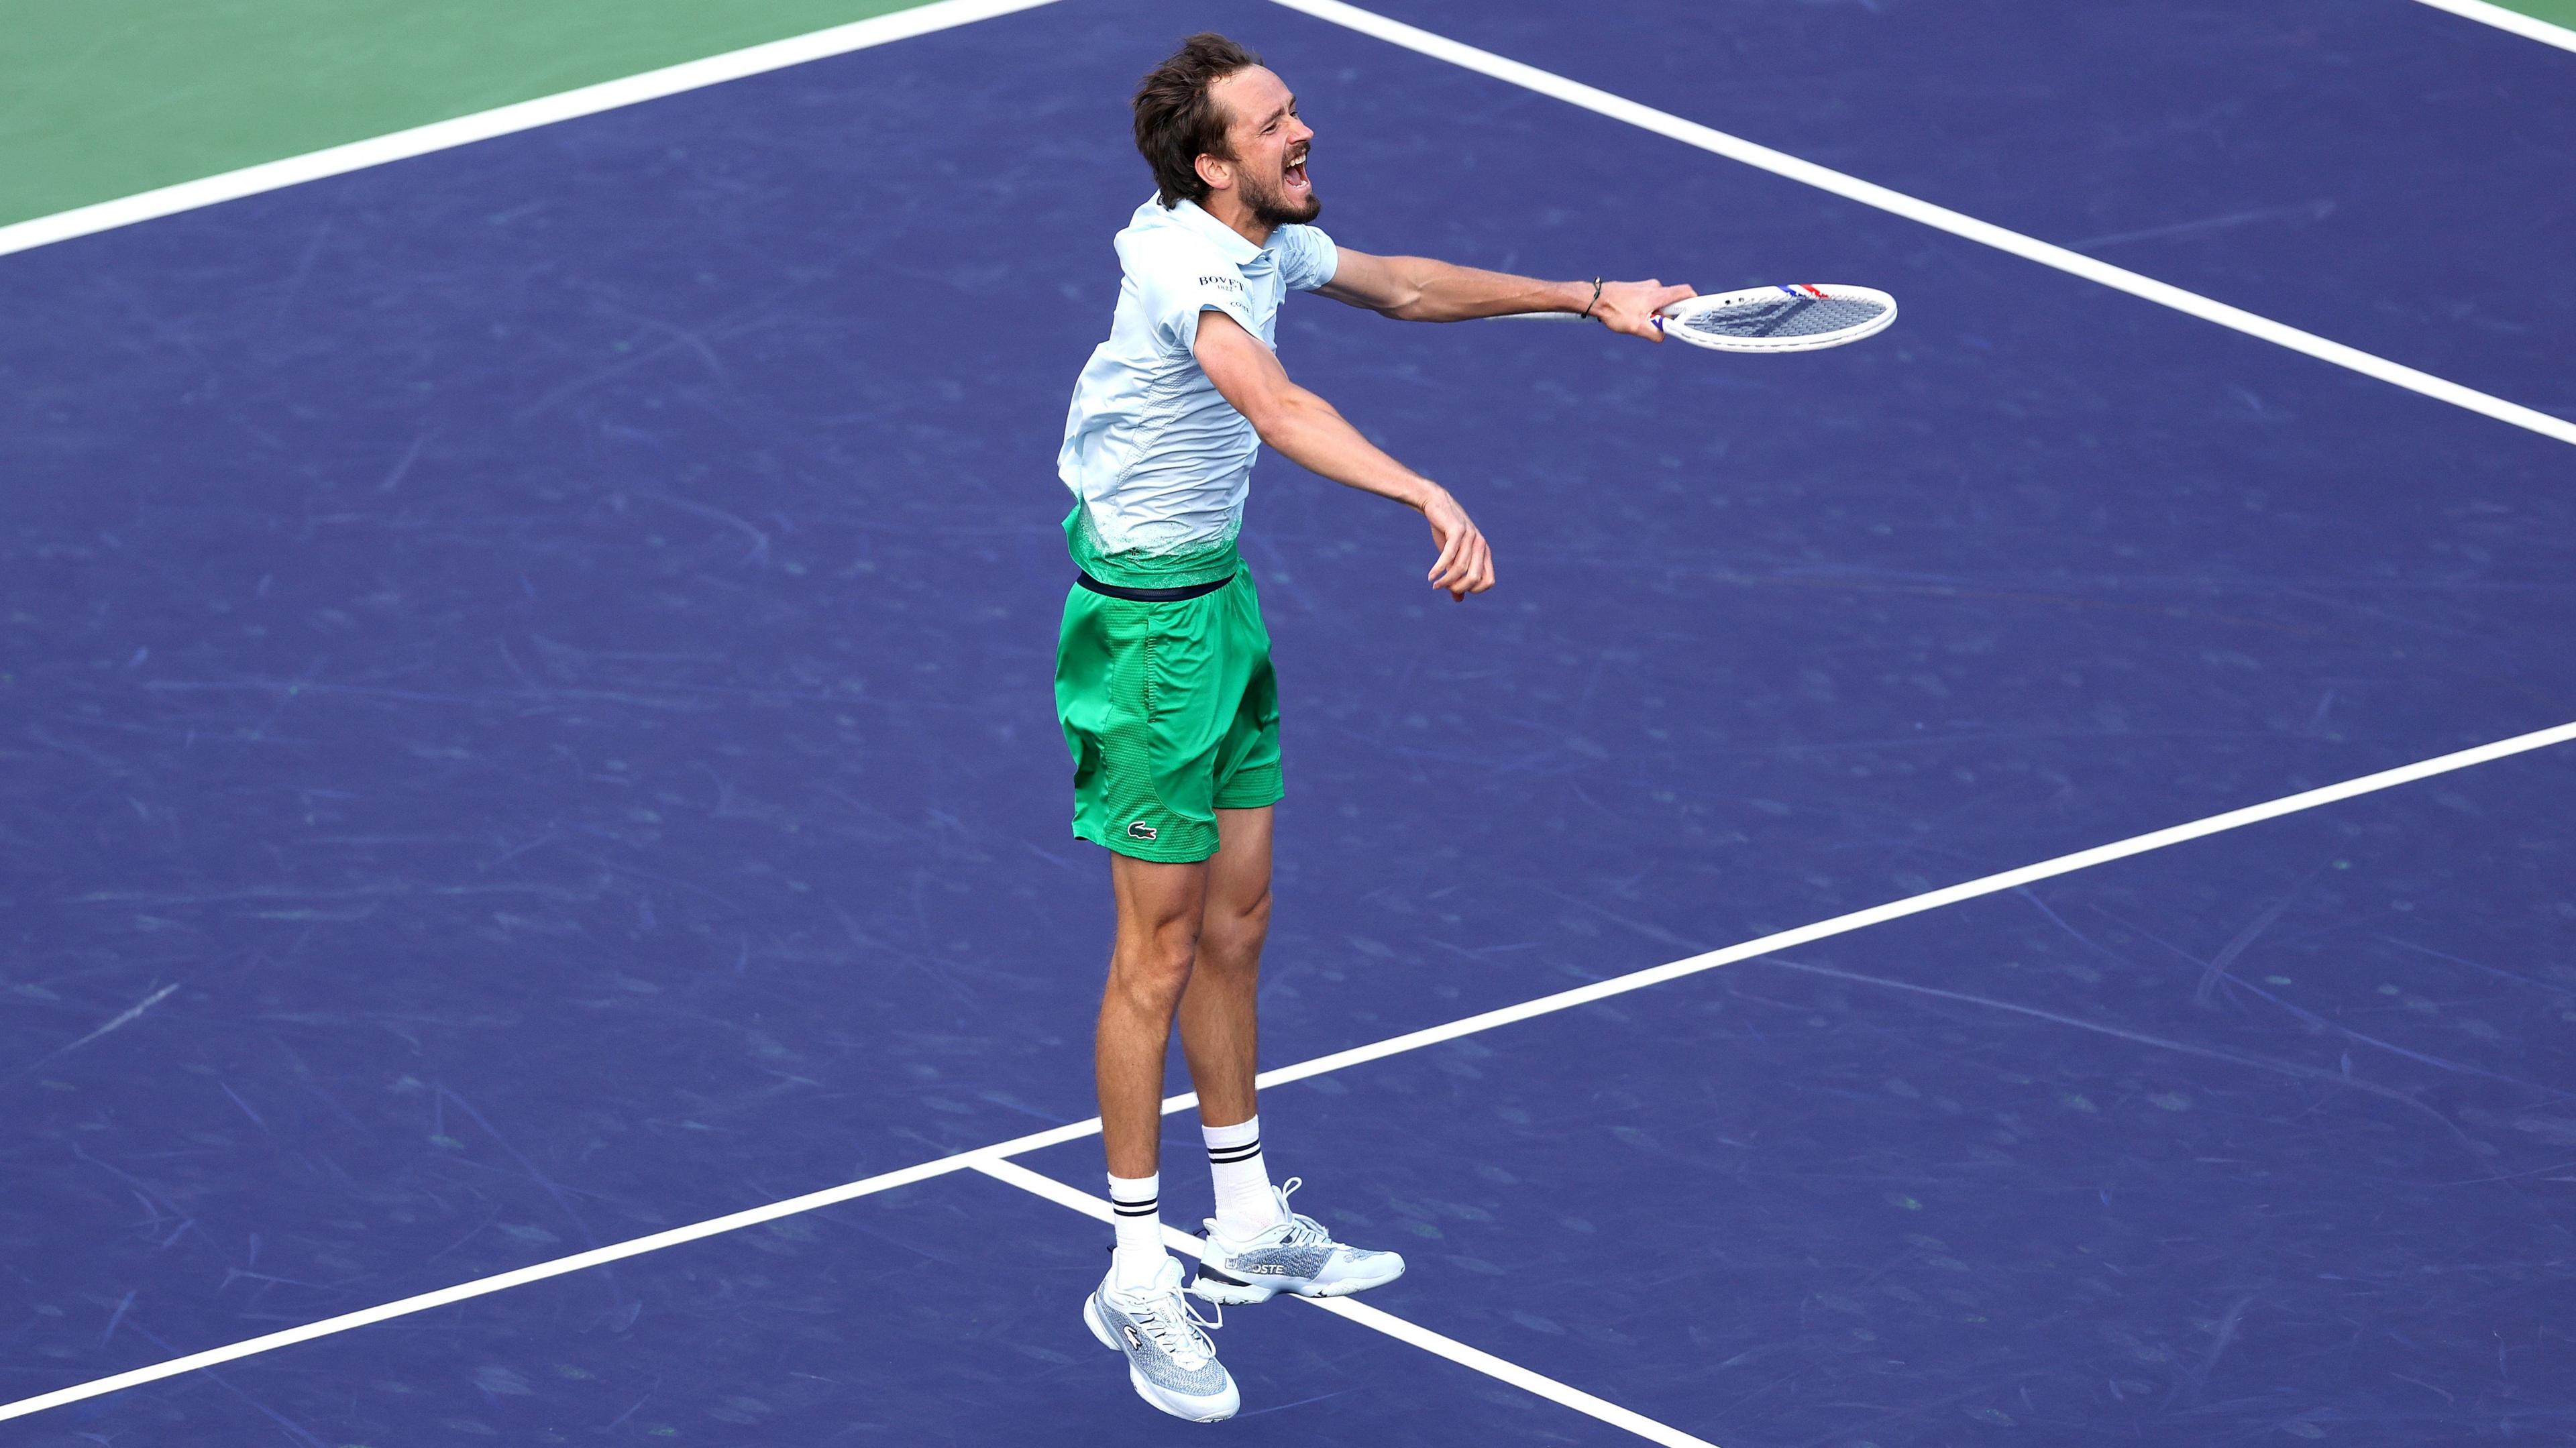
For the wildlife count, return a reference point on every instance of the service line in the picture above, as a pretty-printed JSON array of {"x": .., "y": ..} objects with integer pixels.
[
  {"x": 993, "y": 1160},
  {"x": 1401, "y": 1329},
  {"x": 984, "y": 1157}
]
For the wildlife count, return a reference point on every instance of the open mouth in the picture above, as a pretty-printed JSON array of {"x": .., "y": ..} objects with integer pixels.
[{"x": 1295, "y": 175}]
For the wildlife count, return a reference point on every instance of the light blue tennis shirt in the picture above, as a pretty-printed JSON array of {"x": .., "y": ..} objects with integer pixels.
[{"x": 1158, "y": 461}]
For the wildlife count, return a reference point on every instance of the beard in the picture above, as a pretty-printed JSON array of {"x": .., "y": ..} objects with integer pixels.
[{"x": 1271, "y": 207}]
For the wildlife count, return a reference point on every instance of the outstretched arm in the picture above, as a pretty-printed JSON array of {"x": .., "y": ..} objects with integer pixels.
[
  {"x": 1419, "y": 289},
  {"x": 1314, "y": 436}
]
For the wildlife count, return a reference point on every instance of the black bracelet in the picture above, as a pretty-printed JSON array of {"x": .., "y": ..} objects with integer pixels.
[{"x": 1596, "y": 301}]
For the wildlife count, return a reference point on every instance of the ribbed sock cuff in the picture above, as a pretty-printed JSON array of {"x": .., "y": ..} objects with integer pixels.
[
  {"x": 1137, "y": 1205},
  {"x": 1245, "y": 1205},
  {"x": 1229, "y": 1141}
]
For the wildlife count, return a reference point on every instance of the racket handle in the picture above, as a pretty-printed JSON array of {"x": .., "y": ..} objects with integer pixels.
[{"x": 1556, "y": 317}]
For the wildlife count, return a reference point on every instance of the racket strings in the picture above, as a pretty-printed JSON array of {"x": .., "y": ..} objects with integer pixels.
[{"x": 1786, "y": 317}]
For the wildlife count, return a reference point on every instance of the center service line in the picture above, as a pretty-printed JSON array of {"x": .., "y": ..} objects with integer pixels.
[
  {"x": 985, "y": 1158},
  {"x": 1401, "y": 1329}
]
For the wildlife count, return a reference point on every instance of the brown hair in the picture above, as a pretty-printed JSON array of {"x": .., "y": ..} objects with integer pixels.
[{"x": 1177, "y": 121}]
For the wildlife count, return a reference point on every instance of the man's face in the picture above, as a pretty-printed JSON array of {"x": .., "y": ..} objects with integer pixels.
[{"x": 1269, "y": 144}]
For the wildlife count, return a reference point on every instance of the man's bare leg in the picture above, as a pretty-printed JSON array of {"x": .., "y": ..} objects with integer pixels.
[
  {"x": 1219, "y": 1029},
  {"x": 1218, "y": 1032},
  {"x": 1246, "y": 1259},
  {"x": 1159, "y": 910},
  {"x": 1138, "y": 1308}
]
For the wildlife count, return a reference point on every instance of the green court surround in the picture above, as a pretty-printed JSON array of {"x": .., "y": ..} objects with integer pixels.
[{"x": 104, "y": 98}]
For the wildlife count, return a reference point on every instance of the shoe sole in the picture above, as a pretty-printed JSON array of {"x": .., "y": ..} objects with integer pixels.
[
  {"x": 1178, "y": 1407},
  {"x": 1235, "y": 1292}
]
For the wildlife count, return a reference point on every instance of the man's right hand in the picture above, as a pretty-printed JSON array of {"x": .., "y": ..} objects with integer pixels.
[
  {"x": 1630, "y": 307},
  {"x": 1466, "y": 560}
]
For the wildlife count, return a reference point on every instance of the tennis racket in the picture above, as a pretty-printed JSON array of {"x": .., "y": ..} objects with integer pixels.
[{"x": 1801, "y": 318}]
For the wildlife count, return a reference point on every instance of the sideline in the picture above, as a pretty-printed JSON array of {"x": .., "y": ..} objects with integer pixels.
[{"x": 1940, "y": 218}]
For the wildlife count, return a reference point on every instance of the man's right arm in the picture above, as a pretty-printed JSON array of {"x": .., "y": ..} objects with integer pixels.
[{"x": 1309, "y": 432}]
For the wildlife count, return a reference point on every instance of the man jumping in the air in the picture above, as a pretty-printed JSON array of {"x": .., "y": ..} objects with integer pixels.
[{"x": 1163, "y": 677}]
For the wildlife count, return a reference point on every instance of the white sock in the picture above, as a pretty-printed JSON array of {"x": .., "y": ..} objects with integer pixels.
[
  {"x": 1245, "y": 1205},
  {"x": 1139, "y": 1253}
]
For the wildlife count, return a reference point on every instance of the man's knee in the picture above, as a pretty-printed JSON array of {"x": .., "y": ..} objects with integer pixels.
[
  {"x": 1159, "y": 911},
  {"x": 1252, "y": 918},
  {"x": 1235, "y": 930},
  {"x": 1153, "y": 960}
]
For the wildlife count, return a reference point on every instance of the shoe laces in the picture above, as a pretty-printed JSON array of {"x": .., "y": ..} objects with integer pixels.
[
  {"x": 1302, "y": 1230},
  {"x": 1175, "y": 1325}
]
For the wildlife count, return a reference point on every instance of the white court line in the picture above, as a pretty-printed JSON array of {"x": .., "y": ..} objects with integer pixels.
[
  {"x": 1852, "y": 188},
  {"x": 1437, "y": 1344},
  {"x": 979, "y": 1157},
  {"x": 1930, "y": 900},
  {"x": 2529, "y": 27},
  {"x": 943, "y": 14},
  {"x": 501, "y": 121},
  {"x": 539, "y": 1272}
]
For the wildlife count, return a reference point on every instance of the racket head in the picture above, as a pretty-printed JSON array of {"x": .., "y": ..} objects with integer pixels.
[{"x": 1803, "y": 317}]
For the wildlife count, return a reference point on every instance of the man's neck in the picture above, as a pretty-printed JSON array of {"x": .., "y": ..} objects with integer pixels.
[{"x": 1226, "y": 207}]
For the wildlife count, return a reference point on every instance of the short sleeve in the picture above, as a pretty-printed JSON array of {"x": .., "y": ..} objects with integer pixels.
[
  {"x": 1307, "y": 257},
  {"x": 1177, "y": 277}
]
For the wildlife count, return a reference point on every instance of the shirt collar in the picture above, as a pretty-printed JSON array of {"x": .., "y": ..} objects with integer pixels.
[{"x": 1190, "y": 216}]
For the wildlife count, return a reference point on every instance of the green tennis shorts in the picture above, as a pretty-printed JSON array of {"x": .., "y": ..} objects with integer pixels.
[{"x": 1171, "y": 713}]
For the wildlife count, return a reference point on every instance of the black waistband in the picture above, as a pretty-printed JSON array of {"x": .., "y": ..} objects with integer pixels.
[{"x": 1150, "y": 595}]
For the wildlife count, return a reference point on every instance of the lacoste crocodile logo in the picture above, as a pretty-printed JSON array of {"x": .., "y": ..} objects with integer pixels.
[
  {"x": 1135, "y": 1339},
  {"x": 1140, "y": 831}
]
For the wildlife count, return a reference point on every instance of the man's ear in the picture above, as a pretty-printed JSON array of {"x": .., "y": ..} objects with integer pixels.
[{"x": 1216, "y": 171}]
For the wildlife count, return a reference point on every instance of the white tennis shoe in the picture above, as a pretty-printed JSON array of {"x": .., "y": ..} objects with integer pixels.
[
  {"x": 1297, "y": 1256},
  {"x": 1170, "y": 1361}
]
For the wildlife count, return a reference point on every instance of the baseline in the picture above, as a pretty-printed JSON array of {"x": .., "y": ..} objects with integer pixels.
[
  {"x": 1940, "y": 218},
  {"x": 944, "y": 14},
  {"x": 501, "y": 121},
  {"x": 981, "y": 1158},
  {"x": 2529, "y": 27},
  {"x": 1401, "y": 1329}
]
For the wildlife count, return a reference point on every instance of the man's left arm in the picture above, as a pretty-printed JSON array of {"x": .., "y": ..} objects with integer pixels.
[{"x": 1420, "y": 289}]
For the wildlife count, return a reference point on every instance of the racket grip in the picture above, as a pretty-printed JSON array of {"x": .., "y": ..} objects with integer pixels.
[{"x": 1557, "y": 317}]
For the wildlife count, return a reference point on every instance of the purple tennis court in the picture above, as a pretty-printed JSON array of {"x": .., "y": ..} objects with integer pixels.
[{"x": 528, "y": 715}]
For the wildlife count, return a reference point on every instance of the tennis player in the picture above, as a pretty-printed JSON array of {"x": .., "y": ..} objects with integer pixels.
[{"x": 1163, "y": 678}]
